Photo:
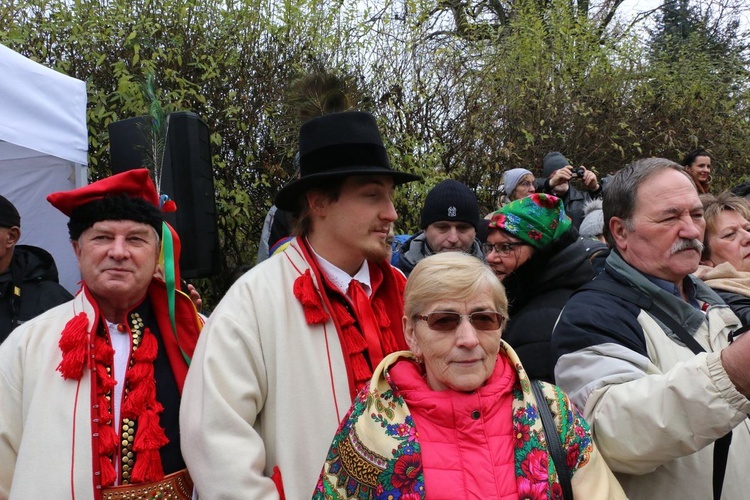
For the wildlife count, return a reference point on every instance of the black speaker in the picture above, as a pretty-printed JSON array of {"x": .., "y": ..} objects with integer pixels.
[{"x": 187, "y": 178}]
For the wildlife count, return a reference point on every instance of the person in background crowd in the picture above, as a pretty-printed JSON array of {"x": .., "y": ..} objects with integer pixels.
[
  {"x": 725, "y": 263},
  {"x": 90, "y": 389},
  {"x": 28, "y": 275},
  {"x": 742, "y": 190},
  {"x": 592, "y": 234},
  {"x": 534, "y": 250},
  {"x": 456, "y": 417},
  {"x": 449, "y": 224},
  {"x": 697, "y": 163},
  {"x": 592, "y": 226},
  {"x": 398, "y": 241},
  {"x": 517, "y": 183},
  {"x": 644, "y": 349},
  {"x": 557, "y": 174},
  {"x": 293, "y": 340},
  {"x": 277, "y": 226}
]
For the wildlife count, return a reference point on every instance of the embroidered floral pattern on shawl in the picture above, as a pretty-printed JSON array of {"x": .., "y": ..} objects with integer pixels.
[{"x": 376, "y": 453}]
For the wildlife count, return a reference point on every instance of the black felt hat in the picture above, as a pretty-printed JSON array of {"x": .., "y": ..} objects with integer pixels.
[{"x": 334, "y": 146}]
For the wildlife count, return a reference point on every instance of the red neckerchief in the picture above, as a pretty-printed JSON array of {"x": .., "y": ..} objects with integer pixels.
[{"x": 386, "y": 298}]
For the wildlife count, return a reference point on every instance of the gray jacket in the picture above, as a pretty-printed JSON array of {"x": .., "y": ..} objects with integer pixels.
[{"x": 416, "y": 249}]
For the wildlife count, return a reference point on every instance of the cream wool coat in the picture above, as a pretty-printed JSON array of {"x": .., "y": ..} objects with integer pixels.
[
  {"x": 41, "y": 413},
  {"x": 45, "y": 420},
  {"x": 265, "y": 389}
]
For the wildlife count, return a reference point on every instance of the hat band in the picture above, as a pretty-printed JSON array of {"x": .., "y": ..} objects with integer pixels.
[{"x": 343, "y": 155}]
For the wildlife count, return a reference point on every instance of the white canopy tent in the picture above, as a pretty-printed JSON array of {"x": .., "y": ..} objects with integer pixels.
[{"x": 43, "y": 147}]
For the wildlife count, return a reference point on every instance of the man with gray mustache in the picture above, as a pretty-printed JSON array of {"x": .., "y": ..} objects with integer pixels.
[{"x": 646, "y": 351}]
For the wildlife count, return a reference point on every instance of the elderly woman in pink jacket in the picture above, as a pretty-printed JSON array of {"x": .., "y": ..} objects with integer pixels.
[{"x": 456, "y": 416}]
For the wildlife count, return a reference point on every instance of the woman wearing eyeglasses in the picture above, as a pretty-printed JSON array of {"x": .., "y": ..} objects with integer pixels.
[
  {"x": 534, "y": 250},
  {"x": 517, "y": 183},
  {"x": 457, "y": 417}
]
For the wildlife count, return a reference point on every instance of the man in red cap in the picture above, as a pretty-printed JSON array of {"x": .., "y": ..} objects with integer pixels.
[
  {"x": 294, "y": 339},
  {"x": 90, "y": 390}
]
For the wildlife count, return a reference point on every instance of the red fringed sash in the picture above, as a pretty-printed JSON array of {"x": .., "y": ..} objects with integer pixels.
[
  {"x": 352, "y": 340},
  {"x": 140, "y": 404}
]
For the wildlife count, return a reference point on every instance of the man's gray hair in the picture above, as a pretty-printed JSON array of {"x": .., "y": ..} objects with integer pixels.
[{"x": 621, "y": 193}]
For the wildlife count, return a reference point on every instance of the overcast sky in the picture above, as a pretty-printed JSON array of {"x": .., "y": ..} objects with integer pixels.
[{"x": 630, "y": 8}]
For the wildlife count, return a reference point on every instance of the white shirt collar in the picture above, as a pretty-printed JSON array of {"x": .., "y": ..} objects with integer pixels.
[{"x": 341, "y": 278}]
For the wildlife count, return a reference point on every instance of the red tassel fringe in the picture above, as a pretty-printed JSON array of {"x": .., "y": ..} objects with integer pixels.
[
  {"x": 387, "y": 337},
  {"x": 141, "y": 405},
  {"x": 73, "y": 344},
  {"x": 108, "y": 471},
  {"x": 353, "y": 342},
  {"x": 149, "y": 438},
  {"x": 304, "y": 291},
  {"x": 147, "y": 467}
]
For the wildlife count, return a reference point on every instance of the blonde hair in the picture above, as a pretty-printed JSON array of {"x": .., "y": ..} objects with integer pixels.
[
  {"x": 713, "y": 206},
  {"x": 451, "y": 275}
]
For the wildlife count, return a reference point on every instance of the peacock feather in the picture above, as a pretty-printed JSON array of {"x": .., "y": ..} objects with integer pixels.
[{"x": 155, "y": 131}]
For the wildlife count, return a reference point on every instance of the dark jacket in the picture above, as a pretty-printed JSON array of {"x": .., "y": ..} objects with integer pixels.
[
  {"x": 416, "y": 249},
  {"x": 573, "y": 200},
  {"x": 537, "y": 292},
  {"x": 597, "y": 253},
  {"x": 740, "y": 304},
  {"x": 33, "y": 271}
]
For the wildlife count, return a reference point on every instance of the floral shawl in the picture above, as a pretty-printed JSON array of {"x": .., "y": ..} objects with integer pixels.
[{"x": 376, "y": 453}]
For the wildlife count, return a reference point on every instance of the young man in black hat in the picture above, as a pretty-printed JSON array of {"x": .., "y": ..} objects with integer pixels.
[
  {"x": 28, "y": 275},
  {"x": 296, "y": 337},
  {"x": 449, "y": 224}
]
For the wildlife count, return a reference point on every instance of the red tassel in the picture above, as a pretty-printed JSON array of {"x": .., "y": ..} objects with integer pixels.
[
  {"x": 360, "y": 369},
  {"x": 148, "y": 468},
  {"x": 104, "y": 414},
  {"x": 304, "y": 291},
  {"x": 148, "y": 348},
  {"x": 354, "y": 342},
  {"x": 73, "y": 344},
  {"x": 342, "y": 314},
  {"x": 148, "y": 439},
  {"x": 140, "y": 377},
  {"x": 107, "y": 440},
  {"x": 138, "y": 372},
  {"x": 105, "y": 381},
  {"x": 387, "y": 338},
  {"x": 140, "y": 394},
  {"x": 150, "y": 434},
  {"x": 103, "y": 351},
  {"x": 379, "y": 309},
  {"x": 108, "y": 471}
]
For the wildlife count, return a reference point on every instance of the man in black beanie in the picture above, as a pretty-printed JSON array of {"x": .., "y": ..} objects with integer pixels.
[
  {"x": 28, "y": 275},
  {"x": 449, "y": 224}
]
